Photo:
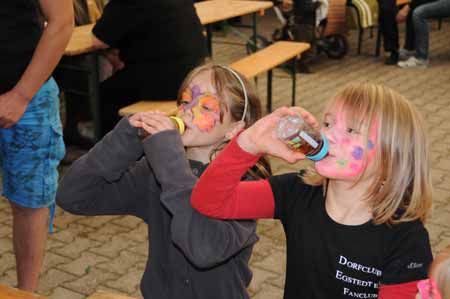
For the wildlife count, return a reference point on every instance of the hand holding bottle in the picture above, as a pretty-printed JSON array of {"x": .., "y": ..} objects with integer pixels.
[
  {"x": 261, "y": 138},
  {"x": 152, "y": 122}
]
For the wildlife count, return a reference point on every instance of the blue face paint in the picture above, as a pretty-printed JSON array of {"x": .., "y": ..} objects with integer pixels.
[
  {"x": 358, "y": 153},
  {"x": 370, "y": 145}
]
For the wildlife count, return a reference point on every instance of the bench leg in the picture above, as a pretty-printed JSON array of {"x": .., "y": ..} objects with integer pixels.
[
  {"x": 378, "y": 45},
  {"x": 294, "y": 80},
  {"x": 360, "y": 37},
  {"x": 269, "y": 91},
  {"x": 209, "y": 39},
  {"x": 255, "y": 31}
]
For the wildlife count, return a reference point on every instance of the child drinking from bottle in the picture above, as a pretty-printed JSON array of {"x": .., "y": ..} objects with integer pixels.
[
  {"x": 356, "y": 229},
  {"x": 190, "y": 255}
]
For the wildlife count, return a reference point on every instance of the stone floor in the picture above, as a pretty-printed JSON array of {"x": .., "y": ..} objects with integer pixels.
[{"x": 86, "y": 254}]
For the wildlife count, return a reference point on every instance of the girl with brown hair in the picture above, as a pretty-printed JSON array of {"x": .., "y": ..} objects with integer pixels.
[{"x": 190, "y": 255}]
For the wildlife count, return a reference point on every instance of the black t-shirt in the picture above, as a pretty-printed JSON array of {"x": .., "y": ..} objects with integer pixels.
[
  {"x": 146, "y": 31},
  {"x": 21, "y": 24},
  {"x": 326, "y": 259}
]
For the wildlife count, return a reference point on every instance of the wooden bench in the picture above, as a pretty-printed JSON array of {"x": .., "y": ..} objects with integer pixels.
[
  {"x": 264, "y": 60},
  {"x": 7, "y": 292},
  {"x": 169, "y": 107},
  {"x": 106, "y": 295},
  {"x": 267, "y": 59}
]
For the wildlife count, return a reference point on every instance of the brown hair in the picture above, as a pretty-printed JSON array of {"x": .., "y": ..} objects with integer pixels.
[
  {"x": 402, "y": 188},
  {"x": 230, "y": 90}
]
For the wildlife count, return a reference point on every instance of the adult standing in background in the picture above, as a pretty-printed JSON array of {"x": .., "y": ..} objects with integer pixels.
[
  {"x": 31, "y": 146},
  {"x": 159, "y": 42},
  {"x": 388, "y": 25}
]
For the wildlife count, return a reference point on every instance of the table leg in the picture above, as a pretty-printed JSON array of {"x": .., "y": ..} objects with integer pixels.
[
  {"x": 269, "y": 91},
  {"x": 294, "y": 81}
]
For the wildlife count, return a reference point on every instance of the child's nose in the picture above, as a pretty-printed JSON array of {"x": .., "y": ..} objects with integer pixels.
[{"x": 332, "y": 135}]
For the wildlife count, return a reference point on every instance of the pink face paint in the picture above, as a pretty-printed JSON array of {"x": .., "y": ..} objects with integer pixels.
[
  {"x": 428, "y": 289},
  {"x": 347, "y": 148},
  {"x": 205, "y": 108}
]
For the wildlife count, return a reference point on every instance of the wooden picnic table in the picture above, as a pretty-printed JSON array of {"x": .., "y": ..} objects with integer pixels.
[{"x": 7, "y": 292}]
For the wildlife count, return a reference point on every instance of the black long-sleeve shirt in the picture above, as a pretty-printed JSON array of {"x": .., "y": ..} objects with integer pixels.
[{"x": 190, "y": 255}]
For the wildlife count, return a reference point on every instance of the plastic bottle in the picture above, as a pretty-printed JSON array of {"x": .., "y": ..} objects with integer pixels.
[
  {"x": 300, "y": 136},
  {"x": 178, "y": 122}
]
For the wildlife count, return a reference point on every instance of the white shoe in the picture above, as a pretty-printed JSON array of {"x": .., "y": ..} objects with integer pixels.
[
  {"x": 404, "y": 54},
  {"x": 413, "y": 62}
]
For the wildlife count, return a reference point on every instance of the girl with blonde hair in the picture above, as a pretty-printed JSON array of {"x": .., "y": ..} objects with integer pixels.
[
  {"x": 357, "y": 230},
  {"x": 190, "y": 255}
]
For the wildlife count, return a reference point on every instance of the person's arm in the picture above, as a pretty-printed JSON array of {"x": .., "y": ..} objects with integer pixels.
[
  {"x": 48, "y": 52},
  {"x": 108, "y": 180},
  {"x": 406, "y": 290},
  {"x": 219, "y": 192}
]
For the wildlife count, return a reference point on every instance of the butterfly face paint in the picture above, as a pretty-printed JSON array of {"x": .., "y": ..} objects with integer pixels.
[
  {"x": 204, "y": 106},
  {"x": 346, "y": 157}
]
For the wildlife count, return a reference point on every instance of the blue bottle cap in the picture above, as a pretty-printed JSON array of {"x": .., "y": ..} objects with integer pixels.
[{"x": 323, "y": 151}]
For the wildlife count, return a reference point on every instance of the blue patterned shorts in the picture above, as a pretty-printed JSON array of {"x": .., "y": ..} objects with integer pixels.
[{"x": 31, "y": 151}]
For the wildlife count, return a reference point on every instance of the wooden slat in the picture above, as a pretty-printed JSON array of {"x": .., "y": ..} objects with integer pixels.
[
  {"x": 169, "y": 107},
  {"x": 7, "y": 292},
  {"x": 105, "y": 295},
  {"x": 401, "y": 2},
  {"x": 218, "y": 10},
  {"x": 269, "y": 58}
]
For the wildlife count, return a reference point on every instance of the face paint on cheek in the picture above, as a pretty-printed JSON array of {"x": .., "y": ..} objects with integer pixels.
[
  {"x": 357, "y": 153},
  {"x": 205, "y": 122},
  {"x": 370, "y": 145},
  {"x": 342, "y": 162},
  {"x": 355, "y": 169}
]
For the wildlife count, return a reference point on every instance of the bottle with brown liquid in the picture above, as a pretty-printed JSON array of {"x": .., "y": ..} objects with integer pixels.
[
  {"x": 301, "y": 137},
  {"x": 177, "y": 121}
]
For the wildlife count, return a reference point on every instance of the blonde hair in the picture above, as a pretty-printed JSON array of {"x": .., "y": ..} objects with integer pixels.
[
  {"x": 440, "y": 271},
  {"x": 229, "y": 88},
  {"x": 402, "y": 188}
]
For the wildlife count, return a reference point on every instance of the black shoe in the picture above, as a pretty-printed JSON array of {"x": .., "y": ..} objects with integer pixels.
[{"x": 392, "y": 59}]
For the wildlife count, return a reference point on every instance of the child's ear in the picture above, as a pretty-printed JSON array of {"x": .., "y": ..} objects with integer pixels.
[{"x": 235, "y": 128}]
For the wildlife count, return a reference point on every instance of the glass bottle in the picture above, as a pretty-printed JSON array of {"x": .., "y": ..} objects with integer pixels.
[
  {"x": 177, "y": 121},
  {"x": 301, "y": 137}
]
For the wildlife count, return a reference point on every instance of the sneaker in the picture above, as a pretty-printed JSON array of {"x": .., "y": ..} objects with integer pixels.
[
  {"x": 413, "y": 62},
  {"x": 404, "y": 54},
  {"x": 392, "y": 59}
]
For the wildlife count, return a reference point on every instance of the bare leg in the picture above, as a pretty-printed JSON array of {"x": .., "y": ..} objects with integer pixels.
[{"x": 30, "y": 230}]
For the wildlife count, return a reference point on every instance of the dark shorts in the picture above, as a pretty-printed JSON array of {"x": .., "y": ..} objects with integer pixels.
[{"x": 31, "y": 151}]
